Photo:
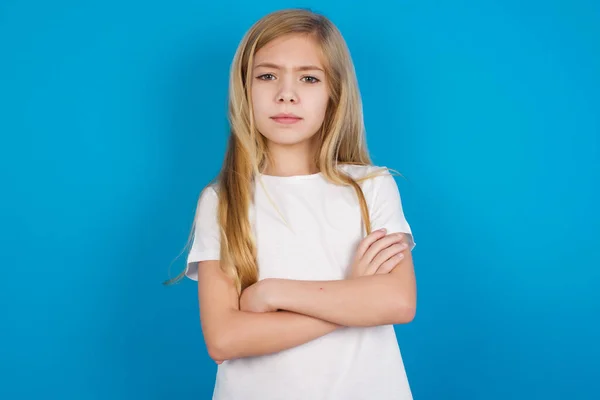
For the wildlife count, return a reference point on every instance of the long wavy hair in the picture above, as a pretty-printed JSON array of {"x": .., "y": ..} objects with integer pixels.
[{"x": 341, "y": 137}]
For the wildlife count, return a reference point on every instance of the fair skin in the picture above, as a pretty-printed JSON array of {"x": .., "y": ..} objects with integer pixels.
[
  {"x": 384, "y": 294},
  {"x": 289, "y": 79},
  {"x": 278, "y": 314}
]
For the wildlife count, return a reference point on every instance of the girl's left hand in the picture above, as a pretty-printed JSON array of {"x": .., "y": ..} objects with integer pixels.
[{"x": 255, "y": 298}]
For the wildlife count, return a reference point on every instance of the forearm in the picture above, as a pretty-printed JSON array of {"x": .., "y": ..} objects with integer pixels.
[
  {"x": 366, "y": 301},
  {"x": 245, "y": 334}
]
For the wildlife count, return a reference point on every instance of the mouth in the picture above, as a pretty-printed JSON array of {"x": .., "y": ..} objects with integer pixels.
[{"x": 286, "y": 118}]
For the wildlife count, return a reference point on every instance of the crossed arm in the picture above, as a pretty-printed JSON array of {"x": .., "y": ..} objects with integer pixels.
[{"x": 282, "y": 314}]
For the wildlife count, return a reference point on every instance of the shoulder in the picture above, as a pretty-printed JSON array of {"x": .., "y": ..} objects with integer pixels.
[
  {"x": 208, "y": 198},
  {"x": 212, "y": 189},
  {"x": 376, "y": 181},
  {"x": 365, "y": 173}
]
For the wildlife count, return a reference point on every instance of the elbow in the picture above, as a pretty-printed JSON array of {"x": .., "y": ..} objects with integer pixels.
[
  {"x": 404, "y": 311},
  {"x": 406, "y": 315},
  {"x": 218, "y": 347},
  {"x": 215, "y": 351},
  {"x": 218, "y": 338}
]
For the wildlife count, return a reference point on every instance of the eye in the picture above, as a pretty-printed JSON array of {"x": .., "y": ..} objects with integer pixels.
[
  {"x": 310, "y": 79},
  {"x": 266, "y": 77}
]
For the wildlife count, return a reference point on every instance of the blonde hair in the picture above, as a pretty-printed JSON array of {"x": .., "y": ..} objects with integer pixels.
[{"x": 341, "y": 138}]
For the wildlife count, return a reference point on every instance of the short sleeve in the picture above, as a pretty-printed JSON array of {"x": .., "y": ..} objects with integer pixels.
[
  {"x": 206, "y": 235},
  {"x": 386, "y": 210}
]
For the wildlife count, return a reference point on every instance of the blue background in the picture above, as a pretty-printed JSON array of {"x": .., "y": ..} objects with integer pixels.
[{"x": 112, "y": 120}]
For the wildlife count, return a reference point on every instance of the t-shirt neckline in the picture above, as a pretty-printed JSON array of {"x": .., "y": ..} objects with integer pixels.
[{"x": 291, "y": 178}]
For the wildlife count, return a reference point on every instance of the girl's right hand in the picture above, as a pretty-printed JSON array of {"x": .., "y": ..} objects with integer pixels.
[{"x": 378, "y": 253}]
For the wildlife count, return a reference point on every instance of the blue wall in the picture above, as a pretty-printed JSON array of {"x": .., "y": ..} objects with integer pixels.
[{"x": 113, "y": 118}]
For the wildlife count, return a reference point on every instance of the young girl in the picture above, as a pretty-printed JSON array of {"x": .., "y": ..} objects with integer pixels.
[{"x": 300, "y": 248}]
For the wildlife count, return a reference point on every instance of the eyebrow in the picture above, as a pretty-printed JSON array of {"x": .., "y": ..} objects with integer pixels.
[{"x": 301, "y": 68}]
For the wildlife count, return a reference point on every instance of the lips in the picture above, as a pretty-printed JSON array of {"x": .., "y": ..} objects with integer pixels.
[{"x": 285, "y": 118}]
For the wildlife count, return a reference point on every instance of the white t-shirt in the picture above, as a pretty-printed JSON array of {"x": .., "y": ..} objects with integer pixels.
[{"x": 324, "y": 227}]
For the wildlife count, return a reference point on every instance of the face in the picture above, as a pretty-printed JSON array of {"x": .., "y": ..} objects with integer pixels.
[{"x": 289, "y": 90}]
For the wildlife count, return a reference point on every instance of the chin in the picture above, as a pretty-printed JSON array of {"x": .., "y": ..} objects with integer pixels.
[{"x": 288, "y": 137}]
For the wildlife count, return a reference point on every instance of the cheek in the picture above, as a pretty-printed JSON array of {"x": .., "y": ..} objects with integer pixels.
[
  {"x": 259, "y": 102},
  {"x": 319, "y": 105}
]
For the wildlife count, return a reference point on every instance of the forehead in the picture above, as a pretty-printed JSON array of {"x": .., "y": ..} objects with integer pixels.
[{"x": 291, "y": 50}]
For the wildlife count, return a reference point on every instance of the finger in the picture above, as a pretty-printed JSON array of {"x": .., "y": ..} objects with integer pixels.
[
  {"x": 368, "y": 241},
  {"x": 385, "y": 255},
  {"x": 390, "y": 264},
  {"x": 381, "y": 244}
]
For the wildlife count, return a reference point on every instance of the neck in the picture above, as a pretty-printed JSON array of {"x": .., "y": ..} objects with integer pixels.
[{"x": 291, "y": 160}]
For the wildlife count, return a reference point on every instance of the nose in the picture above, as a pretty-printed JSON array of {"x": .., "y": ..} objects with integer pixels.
[
  {"x": 287, "y": 94},
  {"x": 286, "y": 98}
]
